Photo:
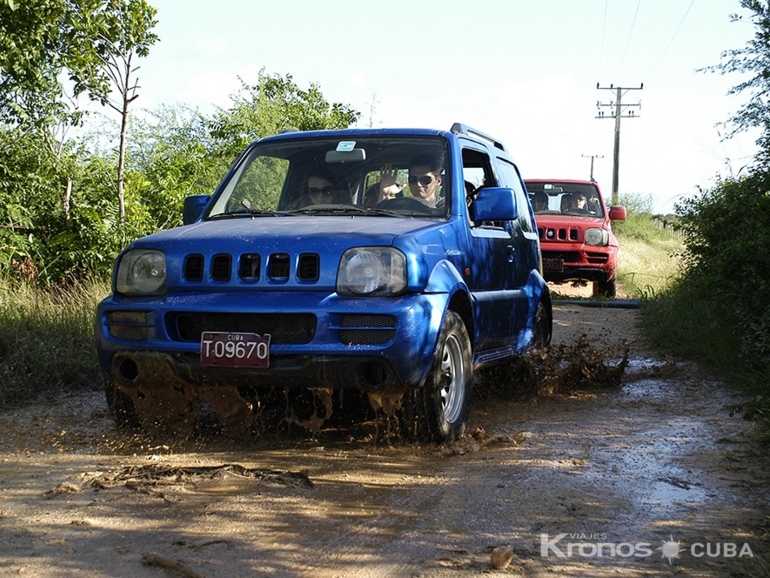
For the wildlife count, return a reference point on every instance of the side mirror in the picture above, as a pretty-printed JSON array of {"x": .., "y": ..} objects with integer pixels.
[
  {"x": 494, "y": 204},
  {"x": 194, "y": 206},
  {"x": 617, "y": 213}
]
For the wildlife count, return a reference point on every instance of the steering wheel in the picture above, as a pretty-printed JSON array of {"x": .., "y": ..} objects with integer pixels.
[{"x": 405, "y": 204}]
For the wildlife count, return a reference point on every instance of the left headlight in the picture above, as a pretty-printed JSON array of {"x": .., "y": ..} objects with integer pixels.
[
  {"x": 597, "y": 237},
  {"x": 372, "y": 272},
  {"x": 141, "y": 272}
]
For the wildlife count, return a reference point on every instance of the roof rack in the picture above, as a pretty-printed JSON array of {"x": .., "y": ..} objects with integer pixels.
[{"x": 460, "y": 128}]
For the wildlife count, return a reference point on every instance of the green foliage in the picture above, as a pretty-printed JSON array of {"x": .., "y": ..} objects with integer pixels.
[
  {"x": 752, "y": 60},
  {"x": 727, "y": 236},
  {"x": 46, "y": 340},
  {"x": 41, "y": 39},
  {"x": 718, "y": 311},
  {"x": 171, "y": 156},
  {"x": 636, "y": 203},
  {"x": 274, "y": 104}
]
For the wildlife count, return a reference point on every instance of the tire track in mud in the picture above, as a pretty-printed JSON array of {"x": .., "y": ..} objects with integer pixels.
[{"x": 659, "y": 455}]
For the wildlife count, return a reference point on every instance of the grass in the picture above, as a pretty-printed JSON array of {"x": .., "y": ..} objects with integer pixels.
[
  {"x": 47, "y": 340},
  {"x": 649, "y": 256}
]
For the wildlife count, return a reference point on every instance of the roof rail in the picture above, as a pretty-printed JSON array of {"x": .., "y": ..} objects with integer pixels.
[{"x": 459, "y": 128}]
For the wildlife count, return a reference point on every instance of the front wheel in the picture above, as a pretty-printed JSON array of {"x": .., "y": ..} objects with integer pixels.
[
  {"x": 543, "y": 327},
  {"x": 438, "y": 411},
  {"x": 608, "y": 289}
]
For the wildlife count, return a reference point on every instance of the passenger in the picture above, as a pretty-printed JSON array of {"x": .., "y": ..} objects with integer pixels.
[
  {"x": 425, "y": 179},
  {"x": 540, "y": 202},
  {"x": 321, "y": 187},
  {"x": 578, "y": 203},
  {"x": 386, "y": 189}
]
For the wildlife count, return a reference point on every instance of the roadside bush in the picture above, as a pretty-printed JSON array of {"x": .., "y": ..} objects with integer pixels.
[
  {"x": 727, "y": 237},
  {"x": 719, "y": 309}
]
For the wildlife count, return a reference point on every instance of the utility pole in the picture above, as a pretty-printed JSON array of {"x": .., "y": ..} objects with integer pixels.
[
  {"x": 617, "y": 114},
  {"x": 592, "y": 157}
]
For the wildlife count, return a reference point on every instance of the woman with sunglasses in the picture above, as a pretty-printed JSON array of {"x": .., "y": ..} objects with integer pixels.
[
  {"x": 321, "y": 187},
  {"x": 424, "y": 179}
]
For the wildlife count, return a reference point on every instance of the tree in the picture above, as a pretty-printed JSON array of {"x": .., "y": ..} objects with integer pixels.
[
  {"x": 754, "y": 60},
  {"x": 127, "y": 35},
  {"x": 39, "y": 39},
  {"x": 274, "y": 104}
]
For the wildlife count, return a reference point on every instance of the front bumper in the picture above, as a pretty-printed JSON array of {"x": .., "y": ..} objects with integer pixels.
[
  {"x": 318, "y": 340},
  {"x": 579, "y": 262}
]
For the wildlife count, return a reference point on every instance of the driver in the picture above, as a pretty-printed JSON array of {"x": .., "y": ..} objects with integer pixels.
[{"x": 424, "y": 179}]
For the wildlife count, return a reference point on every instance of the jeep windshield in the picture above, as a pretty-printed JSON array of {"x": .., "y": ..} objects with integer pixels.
[
  {"x": 358, "y": 176},
  {"x": 575, "y": 199}
]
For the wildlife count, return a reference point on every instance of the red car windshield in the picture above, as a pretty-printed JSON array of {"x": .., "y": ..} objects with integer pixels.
[{"x": 575, "y": 199}]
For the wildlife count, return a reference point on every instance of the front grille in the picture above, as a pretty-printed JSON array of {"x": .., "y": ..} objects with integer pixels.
[
  {"x": 128, "y": 325},
  {"x": 367, "y": 329},
  {"x": 249, "y": 267},
  {"x": 193, "y": 268},
  {"x": 308, "y": 269},
  {"x": 220, "y": 267},
  {"x": 283, "y": 328},
  {"x": 278, "y": 267},
  {"x": 558, "y": 234}
]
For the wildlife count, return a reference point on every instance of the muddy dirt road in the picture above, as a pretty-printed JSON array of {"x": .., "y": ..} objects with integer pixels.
[{"x": 655, "y": 477}]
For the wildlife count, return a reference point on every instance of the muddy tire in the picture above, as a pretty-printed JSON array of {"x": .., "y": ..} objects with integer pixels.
[
  {"x": 608, "y": 289},
  {"x": 438, "y": 411},
  {"x": 121, "y": 407},
  {"x": 542, "y": 332}
]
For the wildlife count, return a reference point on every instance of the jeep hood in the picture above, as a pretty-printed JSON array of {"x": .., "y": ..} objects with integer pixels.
[{"x": 326, "y": 233}]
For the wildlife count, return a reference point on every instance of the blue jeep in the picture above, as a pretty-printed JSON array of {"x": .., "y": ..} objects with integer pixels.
[{"x": 372, "y": 287}]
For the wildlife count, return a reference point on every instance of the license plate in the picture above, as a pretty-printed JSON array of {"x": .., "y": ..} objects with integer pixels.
[
  {"x": 225, "y": 349},
  {"x": 556, "y": 265}
]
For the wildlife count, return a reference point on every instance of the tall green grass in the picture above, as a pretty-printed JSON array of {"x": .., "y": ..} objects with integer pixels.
[
  {"x": 47, "y": 340},
  {"x": 649, "y": 256}
]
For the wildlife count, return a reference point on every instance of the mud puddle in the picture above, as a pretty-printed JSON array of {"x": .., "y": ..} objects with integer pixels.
[{"x": 653, "y": 462}]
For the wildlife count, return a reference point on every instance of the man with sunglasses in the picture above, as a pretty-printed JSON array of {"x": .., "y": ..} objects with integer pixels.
[{"x": 424, "y": 179}]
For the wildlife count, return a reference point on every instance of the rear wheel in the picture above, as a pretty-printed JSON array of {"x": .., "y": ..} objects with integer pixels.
[{"x": 438, "y": 411}]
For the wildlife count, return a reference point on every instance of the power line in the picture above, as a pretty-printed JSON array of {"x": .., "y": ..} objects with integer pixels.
[
  {"x": 628, "y": 39},
  {"x": 670, "y": 42}
]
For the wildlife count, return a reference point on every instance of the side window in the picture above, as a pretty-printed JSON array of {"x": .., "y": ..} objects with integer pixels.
[
  {"x": 512, "y": 179},
  {"x": 477, "y": 173}
]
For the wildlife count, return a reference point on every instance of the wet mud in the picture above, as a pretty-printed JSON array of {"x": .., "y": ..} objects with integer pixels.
[{"x": 597, "y": 441}]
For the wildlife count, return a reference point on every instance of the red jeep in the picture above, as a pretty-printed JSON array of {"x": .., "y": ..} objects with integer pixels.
[{"x": 575, "y": 233}]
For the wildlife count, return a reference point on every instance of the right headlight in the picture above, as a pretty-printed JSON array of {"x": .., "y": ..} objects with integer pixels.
[
  {"x": 141, "y": 272},
  {"x": 596, "y": 237},
  {"x": 372, "y": 272}
]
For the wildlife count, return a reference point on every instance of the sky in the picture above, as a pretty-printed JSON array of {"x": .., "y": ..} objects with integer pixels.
[{"x": 523, "y": 71}]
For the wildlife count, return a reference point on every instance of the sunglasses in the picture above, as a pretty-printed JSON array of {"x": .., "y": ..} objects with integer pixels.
[
  {"x": 320, "y": 191},
  {"x": 424, "y": 180}
]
